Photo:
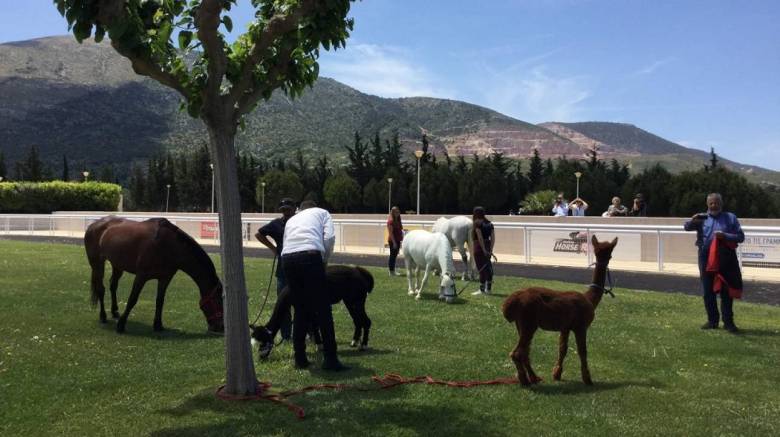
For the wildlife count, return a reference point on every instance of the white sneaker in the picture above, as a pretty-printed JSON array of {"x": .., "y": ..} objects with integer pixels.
[{"x": 478, "y": 292}]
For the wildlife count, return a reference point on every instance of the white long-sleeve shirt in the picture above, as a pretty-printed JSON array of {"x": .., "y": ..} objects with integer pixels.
[{"x": 310, "y": 229}]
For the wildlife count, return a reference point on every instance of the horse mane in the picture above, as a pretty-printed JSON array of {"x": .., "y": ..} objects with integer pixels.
[{"x": 196, "y": 249}]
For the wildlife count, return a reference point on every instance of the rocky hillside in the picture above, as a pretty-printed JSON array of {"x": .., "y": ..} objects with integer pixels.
[{"x": 84, "y": 101}]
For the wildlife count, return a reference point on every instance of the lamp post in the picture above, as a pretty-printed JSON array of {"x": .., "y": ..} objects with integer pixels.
[
  {"x": 389, "y": 193},
  {"x": 212, "y": 187},
  {"x": 418, "y": 154},
  {"x": 578, "y": 175},
  {"x": 1, "y": 179},
  {"x": 86, "y": 176},
  {"x": 167, "y": 196},
  {"x": 262, "y": 197}
]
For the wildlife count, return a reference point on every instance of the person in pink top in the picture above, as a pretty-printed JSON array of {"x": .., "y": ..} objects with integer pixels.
[{"x": 395, "y": 235}]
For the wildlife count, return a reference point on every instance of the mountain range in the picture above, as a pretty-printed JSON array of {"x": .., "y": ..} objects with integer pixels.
[{"x": 84, "y": 101}]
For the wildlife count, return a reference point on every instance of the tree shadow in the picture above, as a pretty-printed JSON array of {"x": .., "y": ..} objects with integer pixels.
[
  {"x": 139, "y": 329},
  {"x": 388, "y": 410}
]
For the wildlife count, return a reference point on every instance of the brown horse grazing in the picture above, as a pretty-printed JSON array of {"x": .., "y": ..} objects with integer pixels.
[
  {"x": 152, "y": 249},
  {"x": 536, "y": 307}
]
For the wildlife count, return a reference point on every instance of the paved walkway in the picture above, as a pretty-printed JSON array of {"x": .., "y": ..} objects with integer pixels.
[{"x": 756, "y": 291}]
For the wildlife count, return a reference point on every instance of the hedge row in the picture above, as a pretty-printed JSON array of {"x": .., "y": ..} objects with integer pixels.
[{"x": 45, "y": 197}]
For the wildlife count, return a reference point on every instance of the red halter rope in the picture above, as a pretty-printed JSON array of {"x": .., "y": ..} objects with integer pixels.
[{"x": 387, "y": 381}]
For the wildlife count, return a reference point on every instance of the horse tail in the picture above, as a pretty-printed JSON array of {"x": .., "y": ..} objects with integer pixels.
[{"x": 92, "y": 238}]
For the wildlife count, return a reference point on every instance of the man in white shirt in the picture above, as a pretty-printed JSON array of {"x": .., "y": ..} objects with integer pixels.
[
  {"x": 309, "y": 238},
  {"x": 560, "y": 207}
]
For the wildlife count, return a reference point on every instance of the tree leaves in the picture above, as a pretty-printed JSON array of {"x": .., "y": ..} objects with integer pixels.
[{"x": 185, "y": 37}]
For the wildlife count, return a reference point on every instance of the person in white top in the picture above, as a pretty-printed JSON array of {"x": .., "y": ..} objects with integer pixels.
[
  {"x": 578, "y": 207},
  {"x": 560, "y": 207},
  {"x": 309, "y": 238}
]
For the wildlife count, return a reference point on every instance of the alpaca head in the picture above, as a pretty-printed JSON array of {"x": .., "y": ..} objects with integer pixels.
[{"x": 603, "y": 249}]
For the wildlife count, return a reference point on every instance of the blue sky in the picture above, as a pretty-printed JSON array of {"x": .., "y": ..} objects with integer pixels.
[{"x": 699, "y": 73}]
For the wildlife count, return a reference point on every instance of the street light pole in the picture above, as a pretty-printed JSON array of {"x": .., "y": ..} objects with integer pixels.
[
  {"x": 212, "y": 187},
  {"x": 86, "y": 176},
  {"x": 167, "y": 196},
  {"x": 389, "y": 194},
  {"x": 578, "y": 174},
  {"x": 262, "y": 196},
  {"x": 418, "y": 154}
]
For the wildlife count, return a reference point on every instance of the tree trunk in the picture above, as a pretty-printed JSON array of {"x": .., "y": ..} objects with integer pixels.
[{"x": 241, "y": 378}]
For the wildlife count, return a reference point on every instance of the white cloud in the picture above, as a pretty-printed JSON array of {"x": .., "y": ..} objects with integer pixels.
[
  {"x": 535, "y": 95},
  {"x": 650, "y": 69},
  {"x": 381, "y": 70}
]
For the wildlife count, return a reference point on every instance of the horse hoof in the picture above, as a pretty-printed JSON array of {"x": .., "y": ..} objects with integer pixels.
[
  {"x": 354, "y": 343},
  {"x": 362, "y": 347},
  {"x": 450, "y": 299},
  {"x": 417, "y": 297},
  {"x": 411, "y": 292}
]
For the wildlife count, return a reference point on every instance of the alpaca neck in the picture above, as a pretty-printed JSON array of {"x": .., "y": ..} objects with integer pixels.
[{"x": 596, "y": 289}]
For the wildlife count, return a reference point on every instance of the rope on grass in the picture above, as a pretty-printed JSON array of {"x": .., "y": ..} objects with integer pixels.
[{"x": 387, "y": 381}]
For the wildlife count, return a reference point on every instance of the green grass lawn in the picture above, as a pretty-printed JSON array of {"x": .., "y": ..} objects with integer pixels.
[{"x": 655, "y": 371}]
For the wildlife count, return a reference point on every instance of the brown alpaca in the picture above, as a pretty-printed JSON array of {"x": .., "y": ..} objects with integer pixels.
[{"x": 537, "y": 307}]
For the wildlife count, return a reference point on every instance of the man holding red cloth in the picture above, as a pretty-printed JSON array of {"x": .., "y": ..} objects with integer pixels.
[{"x": 717, "y": 235}]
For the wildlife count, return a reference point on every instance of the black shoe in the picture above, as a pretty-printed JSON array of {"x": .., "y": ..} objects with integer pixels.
[
  {"x": 730, "y": 327},
  {"x": 333, "y": 365},
  {"x": 301, "y": 362},
  {"x": 709, "y": 325}
]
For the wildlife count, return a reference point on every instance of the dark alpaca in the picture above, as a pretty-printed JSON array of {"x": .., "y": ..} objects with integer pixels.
[
  {"x": 343, "y": 283},
  {"x": 536, "y": 307},
  {"x": 152, "y": 249}
]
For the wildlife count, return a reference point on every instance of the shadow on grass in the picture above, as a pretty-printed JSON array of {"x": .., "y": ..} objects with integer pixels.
[
  {"x": 139, "y": 329},
  {"x": 575, "y": 387},
  {"x": 329, "y": 413},
  {"x": 353, "y": 352},
  {"x": 758, "y": 333}
]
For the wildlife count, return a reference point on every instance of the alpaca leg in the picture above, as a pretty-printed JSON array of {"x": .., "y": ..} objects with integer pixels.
[
  {"x": 351, "y": 308},
  {"x": 525, "y": 340},
  {"x": 162, "y": 286},
  {"x": 517, "y": 358},
  {"x": 98, "y": 289},
  {"x": 563, "y": 347},
  {"x": 582, "y": 350},
  {"x": 116, "y": 274},
  {"x": 138, "y": 285}
]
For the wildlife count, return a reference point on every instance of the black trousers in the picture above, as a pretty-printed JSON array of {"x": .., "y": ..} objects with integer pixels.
[
  {"x": 393, "y": 255},
  {"x": 305, "y": 274}
]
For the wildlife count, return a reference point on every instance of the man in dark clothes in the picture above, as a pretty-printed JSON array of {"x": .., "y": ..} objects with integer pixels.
[
  {"x": 720, "y": 225},
  {"x": 275, "y": 230},
  {"x": 640, "y": 206}
]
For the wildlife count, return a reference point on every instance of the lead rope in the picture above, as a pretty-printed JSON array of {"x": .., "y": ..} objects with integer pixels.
[
  {"x": 609, "y": 280},
  {"x": 267, "y": 291},
  {"x": 471, "y": 281}
]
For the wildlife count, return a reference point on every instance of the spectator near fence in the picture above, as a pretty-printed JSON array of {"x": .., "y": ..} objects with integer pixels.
[
  {"x": 578, "y": 207},
  {"x": 640, "y": 206},
  {"x": 616, "y": 209},
  {"x": 560, "y": 207}
]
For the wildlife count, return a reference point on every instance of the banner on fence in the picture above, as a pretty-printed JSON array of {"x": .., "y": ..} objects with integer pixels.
[
  {"x": 761, "y": 252},
  {"x": 209, "y": 229}
]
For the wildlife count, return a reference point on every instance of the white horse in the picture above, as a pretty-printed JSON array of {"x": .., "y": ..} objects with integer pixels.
[
  {"x": 432, "y": 250},
  {"x": 458, "y": 232}
]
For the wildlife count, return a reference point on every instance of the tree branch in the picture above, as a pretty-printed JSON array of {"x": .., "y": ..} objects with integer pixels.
[
  {"x": 276, "y": 77},
  {"x": 146, "y": 67},
  {"x": 207, "y": 22},
  {"x": 277, "y": 25}
]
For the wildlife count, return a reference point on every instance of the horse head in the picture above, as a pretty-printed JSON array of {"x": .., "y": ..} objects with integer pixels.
[
  {"x": 447, "y": 286},
  {"x": 211, "y": 305}
]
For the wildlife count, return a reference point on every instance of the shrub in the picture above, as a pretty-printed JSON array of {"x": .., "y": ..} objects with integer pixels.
[{"x": 45, "y": 197}]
